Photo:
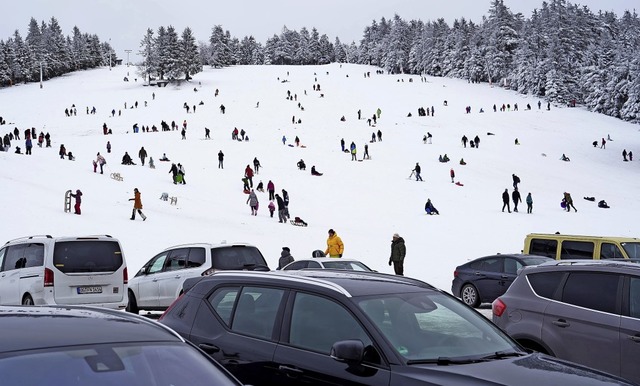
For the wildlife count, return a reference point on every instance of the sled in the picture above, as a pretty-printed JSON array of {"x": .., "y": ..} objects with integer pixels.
[
  {"x": 116, "y": 176},
  {"x": 67, "y": 201},
  {"x": 459, "y": 183},
  {"x": 298, "y": 223},
  {"x": 246, "y": 191}
]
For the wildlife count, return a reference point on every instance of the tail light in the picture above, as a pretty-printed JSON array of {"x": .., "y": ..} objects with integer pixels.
[
  {"x": 125, "y": 275},
  {"x": 48, "y": 277},
  {"x": 171, "y": 306},
  {"x": 455, "y": 273},
  {"x": 498, "y": 307}
]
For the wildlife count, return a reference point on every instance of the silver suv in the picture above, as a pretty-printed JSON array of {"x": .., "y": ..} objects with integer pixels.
[{"x": 583, "y": 311}]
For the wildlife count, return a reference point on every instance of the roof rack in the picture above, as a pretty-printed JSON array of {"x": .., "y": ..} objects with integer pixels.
[{"x": 27, "y": 238}]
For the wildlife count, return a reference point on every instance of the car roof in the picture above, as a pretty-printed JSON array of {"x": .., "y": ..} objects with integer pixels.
[
  {"x": 608, "y": 264},
  {"x": 327, "y": 259},
  {"x": 60, "y": 238},
  {"x": 582, "y": 237},
  {"x": 221, "y": 244},
  {"x": 34, "y": 327},
  {"x": 347, "y": 283},
  {"x": 513, "y": 255}
]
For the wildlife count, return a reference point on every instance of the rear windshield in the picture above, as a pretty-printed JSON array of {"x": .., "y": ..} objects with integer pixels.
[
  {"x": 237, "y": 257},
  {"x": 534, "y": 260},
  {"x": 87, "y": 256}
]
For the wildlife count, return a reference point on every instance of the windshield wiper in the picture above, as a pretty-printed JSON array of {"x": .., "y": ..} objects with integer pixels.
[
  {"x": 443, "y": 361},
  {"x": 504, "y": 354}
]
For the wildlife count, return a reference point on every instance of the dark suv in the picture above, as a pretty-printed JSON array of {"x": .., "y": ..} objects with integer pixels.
[
  {"x": 583, "y": 311},
  {"x": 326, "y": 327}
]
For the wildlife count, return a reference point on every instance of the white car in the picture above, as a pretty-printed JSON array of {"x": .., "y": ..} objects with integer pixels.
[
  {"x": 327, "y": 263},
  {"x": 159, "y": 282}
]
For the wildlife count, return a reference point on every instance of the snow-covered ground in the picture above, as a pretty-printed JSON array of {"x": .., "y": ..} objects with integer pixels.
[{"x": 365, "y": 202}]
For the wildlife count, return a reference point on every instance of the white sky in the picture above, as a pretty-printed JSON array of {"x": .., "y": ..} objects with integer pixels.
[
  {"x": 125, "y": 21},
  {"x": 365, "y": 202}
]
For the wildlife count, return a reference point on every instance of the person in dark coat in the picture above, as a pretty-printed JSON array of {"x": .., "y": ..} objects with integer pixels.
[
  {"x": 271, "y": 188},
  {"x": 285, "y": 199},
  {"x": 429, "y": 208},
  {"x": 505, "y": 200},
  {"x": 63, "y": 151},
  {"x": 417, "y": 170},
  {"x": 126, "y": 159},
  {"x": 476, "y": 140},
  {"x": 256, "y": 164},
  {"x": 78, "y": 197},
  {"x": 516, "y": 181},
  {"x": 569, "y": 202},
  {"x": 398, "y": 252},
  {"x": 282, "y": 217},
  {"x": 529, "y": 200},
  {"x": 142, "y": 154},
  {"x": 220, "y": 160},
  {"x": 285, "y": 257},
  {"x": 174, "y": 172},
  {"x": 515, "y": 196}
]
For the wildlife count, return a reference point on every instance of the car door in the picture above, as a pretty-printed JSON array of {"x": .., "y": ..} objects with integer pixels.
[
  {"x": 172, "y": 276},
  {"x": 487, "y": 277},
  {"x": 314, "y": 324},
  {"x": 240, "y": 327},
  {"x": 148, "y": 283},
  {"x": 10, "y": 274},
  {"x": 583, "y": 326},
  {"x": 509, "y": 274},
  {"x": 630, "y": 332}
]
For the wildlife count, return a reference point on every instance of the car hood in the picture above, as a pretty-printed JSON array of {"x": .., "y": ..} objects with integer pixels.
[{"x": 533, "y": 369}]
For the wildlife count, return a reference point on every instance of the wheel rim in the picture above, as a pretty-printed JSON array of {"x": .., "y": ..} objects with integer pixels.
[
  {"x": 469, "y": 295},
  {"x": 27, "y": 301}
]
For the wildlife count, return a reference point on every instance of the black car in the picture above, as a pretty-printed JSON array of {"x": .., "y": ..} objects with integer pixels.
[
  {"x": 322, "y": 327},
  {"x": 484, "y": 279},
  {"x": 72, "y": 345}
]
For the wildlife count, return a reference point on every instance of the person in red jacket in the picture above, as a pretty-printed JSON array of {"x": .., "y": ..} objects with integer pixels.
[
  {"x": 248, "y": 172},
  {"x": 137, "y": 205},
  {"x": 78, "y": 197}
]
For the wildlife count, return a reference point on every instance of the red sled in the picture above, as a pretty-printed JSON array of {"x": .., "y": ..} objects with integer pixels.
[{"x": 459, "y": 183}]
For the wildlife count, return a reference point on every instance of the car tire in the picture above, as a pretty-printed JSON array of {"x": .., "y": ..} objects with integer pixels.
[
  {"x": 27, "y": 300},
  {"x": 469, "y": 295},
  {"x": 132, "y": 305}
]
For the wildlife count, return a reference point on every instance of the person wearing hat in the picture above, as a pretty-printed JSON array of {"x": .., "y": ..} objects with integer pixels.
[
  {"x": 285, "y": 257},
  {"x": 137, "y": 205},
  {"x": 398, "y": 251},
  {"x": 335, "y": 247}
]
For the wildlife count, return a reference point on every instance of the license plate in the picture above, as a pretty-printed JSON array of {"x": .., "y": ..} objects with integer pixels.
[{"x": 90, "y": 290}]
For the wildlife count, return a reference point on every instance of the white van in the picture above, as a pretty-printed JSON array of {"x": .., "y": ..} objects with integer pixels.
[{"x": 63, "y": 270}]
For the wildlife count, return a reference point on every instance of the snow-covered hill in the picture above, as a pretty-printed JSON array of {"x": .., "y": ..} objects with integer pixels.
[{"x": 365, "y": 202}]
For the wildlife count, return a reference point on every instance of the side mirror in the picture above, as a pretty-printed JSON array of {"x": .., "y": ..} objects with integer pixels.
[{"x": 349, "y": 351}]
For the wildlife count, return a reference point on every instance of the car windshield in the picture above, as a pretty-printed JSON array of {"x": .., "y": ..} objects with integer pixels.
[
  {"x": 348, "y": 265},
  {"x": 427, "y": 327},
  {"x": 237, "y": 257},
  {"x": 121, "y": 364},
  {"x": 534, "y": 260},
  {"x": 632, "y": 249}
]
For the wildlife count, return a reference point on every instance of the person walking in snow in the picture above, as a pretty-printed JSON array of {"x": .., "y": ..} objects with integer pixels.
[
  {"x": 253, "y": 202},
  {"x": 248, "y": 173},
  {"x": 516, "y": 181},
  {"x": 379, "y": 135},
  {"x": 603, "y": 143},
  {"x": 417, "y": 170},
  {"x": 284, "y": 140},
  {"x": 342, "y": 144},
  {"x": 220, "y": 160},
  {"x": 285, "y": 257},
  {"x": 271, "y": 189},
  {"x": 476, "y": 140},
  {"x": 398, "y": 252},
  {"x": 515, "y": 196},
  {"x": 63, "y": 151},
  {"x": 137, "y": 205},
  {"x": 335, "y": 247},
  {"x": 529, "y": 201},
  {"x": 366, "y": 152},
  {"x": 568, "y": 201},
  {"x": 285, "y": 199},
  {"x": 142, "y": 154},
  {"x": 78, "y": 197},
  {"x": 256, "y": 165},
  {"x": 174, "y": 173},
  {"x": 353, "y": 152},
  {"x": 452, "y": 174},
  {"x": 624, "y": 155},
  {"x": 181, "y": 174},
  {"x": 282, "y": 218},
  {"x": 272, "y": 208},
  {"x": 464, "y": 141},
  {"x": 505, "y": 200},
  {"x": 101, "y": 162}
]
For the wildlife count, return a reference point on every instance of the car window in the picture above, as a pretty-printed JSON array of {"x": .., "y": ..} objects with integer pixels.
[
  {"x": 492, "y": 265},
  {"x": 157, "y": 263},
  {"x": 13, "y": 259},
  {"x": 197, "y": 257},
  {"x": 511, "y": 266},
  {"x": 543, "y": 247},
  {"x": 428, "y": 326},
  {"x": 87, "y": 256},
  {"x": 177, "y": 259},
  {"x": 545, "y": 284},
  {"x": 313, "y": 264},
  {"x": 593, "y": 290},
  {"x": 255, "y": 311},
  {"x": 236, "y": 257},
  {"x": 3, "y": 252},
  {"x": 632, "y": 249},
  {"x": 34, "y": 255},
  {"x": 317, "y": 323},
  {"x": 298, "y": 265},
  {"x": 610, "y": 251},
  {"x": 222, "y": 302},
  {"x": 634, "y": 298},
  {"x": 348, "y": 265},
  {"x": 576, "y": 250}
]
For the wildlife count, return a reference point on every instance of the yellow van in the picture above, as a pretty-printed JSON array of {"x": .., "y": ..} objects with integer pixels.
[{"x": 565, "y": 247}]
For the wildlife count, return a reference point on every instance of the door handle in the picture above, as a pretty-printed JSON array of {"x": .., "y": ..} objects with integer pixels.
[
  {"x": 561, "y": 323},
  {"x": 154, "y": 280},
  {"x": 290, "y": 371},
  {"x": 635, "y": 338},
  {"x": 504, "y": 276},
  {"x": 209, "y": 348},
  {"x": 176, "y": 277},
  {"x": 478, "y": 274}
]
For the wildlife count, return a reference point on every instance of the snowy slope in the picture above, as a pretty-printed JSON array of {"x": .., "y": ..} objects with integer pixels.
[{"x": 365, "y": 202}]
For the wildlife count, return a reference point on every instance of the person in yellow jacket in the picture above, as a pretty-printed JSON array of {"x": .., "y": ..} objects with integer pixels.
[{"x": 335, "y": 248}]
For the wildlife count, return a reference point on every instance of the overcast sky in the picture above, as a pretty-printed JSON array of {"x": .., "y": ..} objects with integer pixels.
[{"x": 125, "y": 21}]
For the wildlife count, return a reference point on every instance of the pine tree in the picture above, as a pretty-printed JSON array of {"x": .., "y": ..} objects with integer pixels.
[{"x": 189, "y": 55}]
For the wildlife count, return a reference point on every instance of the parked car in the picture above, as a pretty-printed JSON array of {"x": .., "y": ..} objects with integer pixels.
[
  {"x": 63, "y": 270},
  {"x": 584, "y": 311},
  {"x": 75, "y": 345},
  {"x": 484, "y": 279},
  {"x": 573, "y": 247},
  {"x": 325, "y": 327},
  {"x": 327, "y": 263},
  {"x": 159, "y": 282}
]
